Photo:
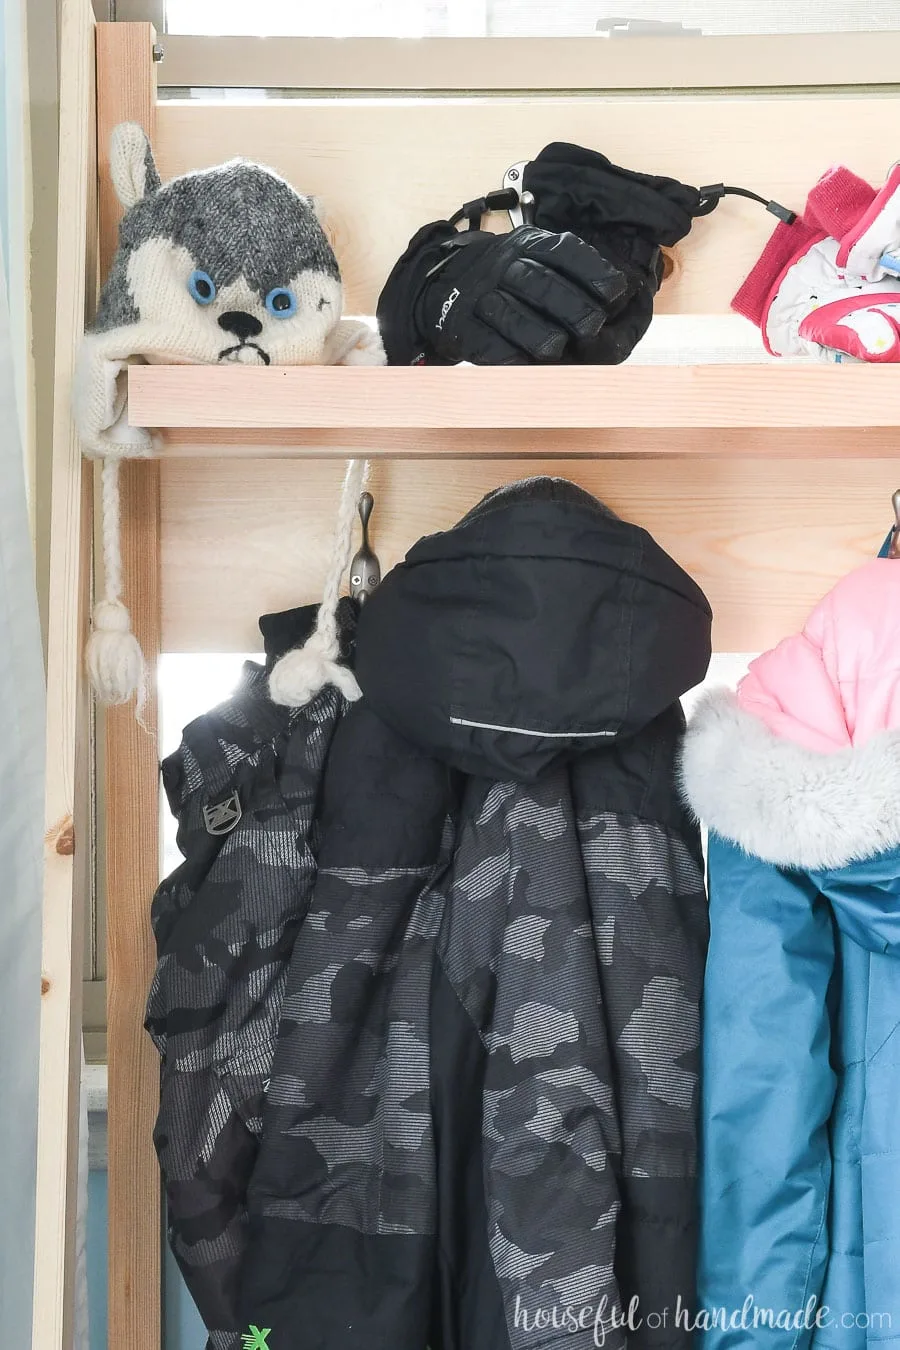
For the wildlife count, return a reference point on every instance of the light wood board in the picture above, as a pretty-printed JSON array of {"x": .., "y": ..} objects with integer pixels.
[
  {"x": 242, "y": 538},
  {"x": 68, "y": 852},
  {"x": 631, "y": 396},
  {"x": 533, "y": 63},
  {"x": 127, "y": 91},
  {"x": 383, "y": 168}
]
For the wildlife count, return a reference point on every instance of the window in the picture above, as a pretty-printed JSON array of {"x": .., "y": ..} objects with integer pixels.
[
  {"x": 526, "y": 18},
  {"x": 188, "y": 686}
]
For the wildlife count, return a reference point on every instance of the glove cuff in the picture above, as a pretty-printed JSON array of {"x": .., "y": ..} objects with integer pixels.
[
  {"x": 398, "y": 304},
  {"x": 787, "y": 244},
  {"x": 581, "y": 190},
  {"x": 839, "y": 200}
]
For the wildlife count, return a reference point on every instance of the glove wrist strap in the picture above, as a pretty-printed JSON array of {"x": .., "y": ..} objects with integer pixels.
[
  {"x": 504, "y": 199},
  {"x": 712, "y": 195}
]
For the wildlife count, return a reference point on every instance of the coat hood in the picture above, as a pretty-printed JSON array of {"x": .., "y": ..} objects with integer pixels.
[
  {"x": 802, "y": 766},
  {"x": 540, "y": 627}
]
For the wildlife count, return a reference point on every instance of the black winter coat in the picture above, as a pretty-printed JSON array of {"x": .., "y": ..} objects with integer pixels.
[
  {"x": 244, "y": 786},
  {"x": 480, "y": 1125}
]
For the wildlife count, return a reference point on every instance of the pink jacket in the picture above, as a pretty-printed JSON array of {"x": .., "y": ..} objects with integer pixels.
[
  {"x": 837, "y": 683},
  {"x": 802, "y": 766}
]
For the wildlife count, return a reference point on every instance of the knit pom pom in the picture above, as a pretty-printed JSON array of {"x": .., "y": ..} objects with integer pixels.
[
  {"x": 302, "y": 673},
  {"x": 114, "y": 658}
]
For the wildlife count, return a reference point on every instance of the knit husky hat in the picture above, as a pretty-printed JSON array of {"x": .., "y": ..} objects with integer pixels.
[{"x": 225, "y": 265}]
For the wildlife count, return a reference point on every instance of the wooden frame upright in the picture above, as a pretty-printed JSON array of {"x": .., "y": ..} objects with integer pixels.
[{"x": 126, "y": 91}]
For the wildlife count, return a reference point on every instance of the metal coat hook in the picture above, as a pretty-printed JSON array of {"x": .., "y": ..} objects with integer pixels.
[
  {"x": 894, "y": 549},
  {"x": 523, "y": 212},
  {"x": 365, "y": 569}
]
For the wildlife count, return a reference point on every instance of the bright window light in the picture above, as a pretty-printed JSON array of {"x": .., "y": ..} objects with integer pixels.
[
  {"x": 288, "y": 18},
  {"x": 189, "y": 685},
  {"x": 522, "y": 18}
]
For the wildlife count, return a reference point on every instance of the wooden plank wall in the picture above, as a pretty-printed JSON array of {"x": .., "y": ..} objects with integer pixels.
[
  {"x": 244, "y": 537},
  {"x": 126, "y": 81},
  {"x": 382, "y": 168},
  {"x": 763, "y": 539}
]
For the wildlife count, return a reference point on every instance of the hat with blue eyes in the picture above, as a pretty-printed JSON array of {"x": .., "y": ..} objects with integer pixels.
[{"x": 228, "y": 265}]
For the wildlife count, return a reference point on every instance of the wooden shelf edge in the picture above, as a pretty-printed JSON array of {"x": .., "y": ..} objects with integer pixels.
[
  {"x": 466, "y": 64},
  {"x": 307, "y": 443},
  {"x": 396, "y": 401}
]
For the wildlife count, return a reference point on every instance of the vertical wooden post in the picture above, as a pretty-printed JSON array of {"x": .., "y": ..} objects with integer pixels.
[
  {"x": 126, "y": 91},
  {"x": 69, "y": 847}
]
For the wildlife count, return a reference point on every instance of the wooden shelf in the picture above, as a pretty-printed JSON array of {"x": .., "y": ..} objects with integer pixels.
[{"x": 401, "y": 409}]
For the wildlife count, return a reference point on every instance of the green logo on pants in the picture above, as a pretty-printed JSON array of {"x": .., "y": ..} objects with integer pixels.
[{"x": 256, "y": 1338}]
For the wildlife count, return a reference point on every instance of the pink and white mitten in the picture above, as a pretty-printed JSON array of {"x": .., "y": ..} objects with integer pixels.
[{"x": 821, "y": 287}]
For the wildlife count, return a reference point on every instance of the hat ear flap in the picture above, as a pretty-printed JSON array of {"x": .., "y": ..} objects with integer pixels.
[{"x": 131, "y": 164}]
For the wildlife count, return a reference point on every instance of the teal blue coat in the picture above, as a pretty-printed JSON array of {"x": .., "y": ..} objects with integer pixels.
[
  {"x": 800, "y": 1176},
  {"x": 800, "y": 1198}
]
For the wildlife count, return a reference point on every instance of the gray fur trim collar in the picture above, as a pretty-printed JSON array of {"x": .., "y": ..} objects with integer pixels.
[{"x": 783, "y": 803}]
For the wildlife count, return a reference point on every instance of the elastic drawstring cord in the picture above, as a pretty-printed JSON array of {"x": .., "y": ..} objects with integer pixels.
[{"x": 712, "y": 195}]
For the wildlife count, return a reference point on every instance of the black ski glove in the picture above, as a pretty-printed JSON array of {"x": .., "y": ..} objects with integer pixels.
[
  {"x": 626, "y": 216},
  {"x": 510, "y": 299}
]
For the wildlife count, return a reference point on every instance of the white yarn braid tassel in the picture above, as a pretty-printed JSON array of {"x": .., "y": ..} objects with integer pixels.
[
  {"x": 114, "y": 658},
  {"x": 300, "y": 674}
]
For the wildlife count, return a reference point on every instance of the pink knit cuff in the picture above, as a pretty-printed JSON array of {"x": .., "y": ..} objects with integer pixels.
[
  {"x": 839, "y": 200},
  {"x": 787, "y": 244}
]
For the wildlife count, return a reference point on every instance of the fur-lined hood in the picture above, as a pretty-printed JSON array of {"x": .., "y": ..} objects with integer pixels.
[
  {"x": 801, "y": 767},
  {"x": 782, "y": 802}
]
